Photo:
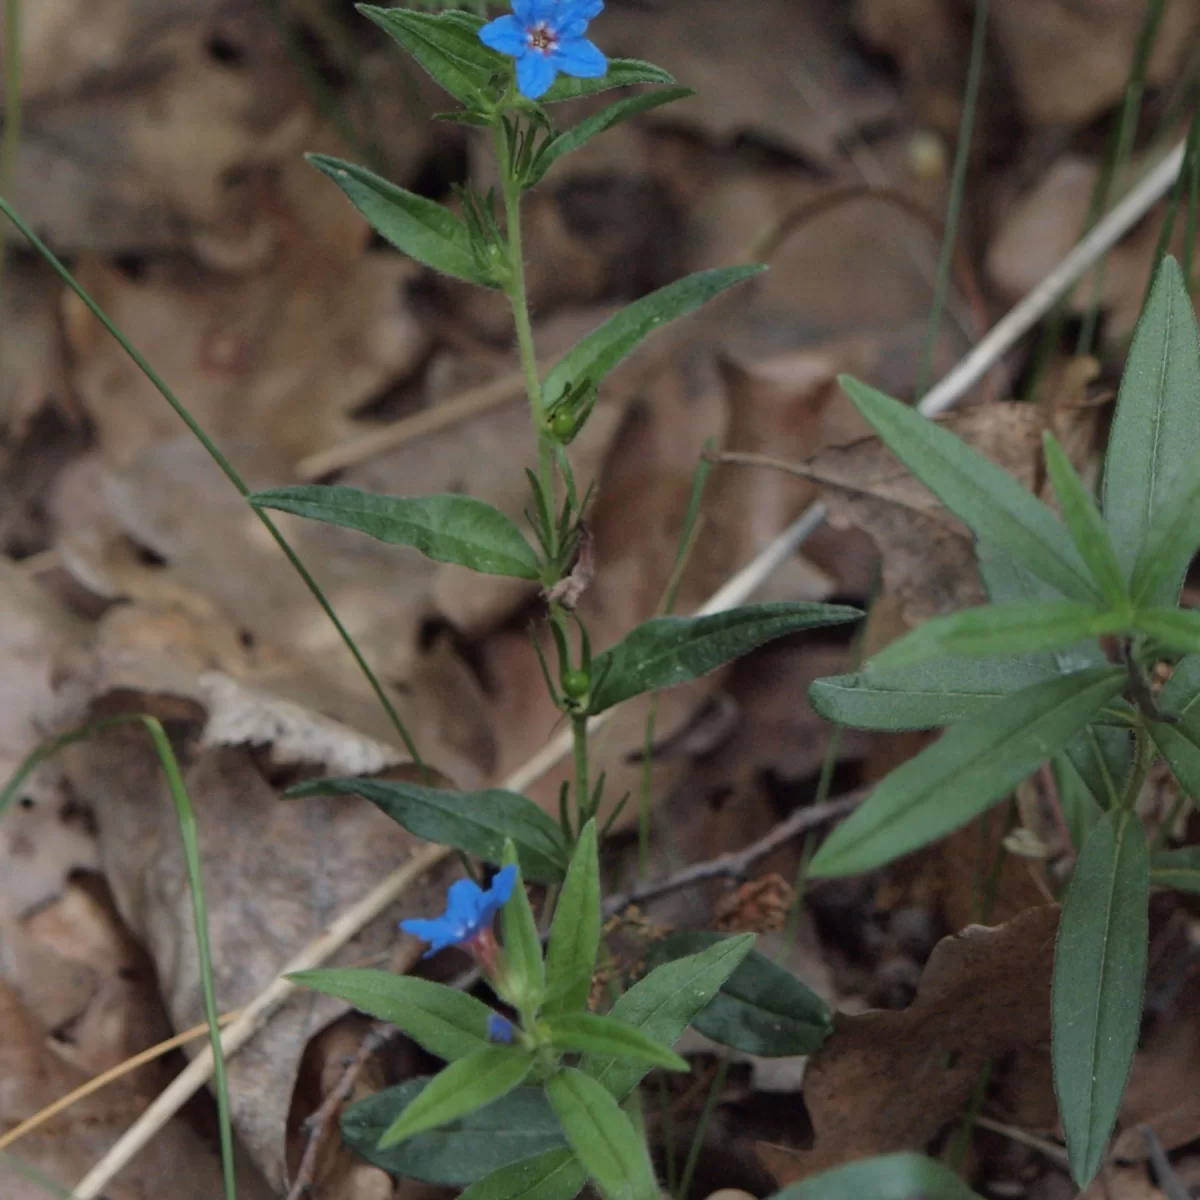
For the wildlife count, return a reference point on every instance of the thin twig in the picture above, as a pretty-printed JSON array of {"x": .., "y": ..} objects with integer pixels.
[
  {"x": 737, "y": 864},
  {"x": 317, "y": 1124},
  {"x": 743, "y": 585}
]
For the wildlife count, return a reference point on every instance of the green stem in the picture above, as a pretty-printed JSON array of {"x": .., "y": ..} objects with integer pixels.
[
  {"x": 1143, "y": 760},
  {"x": 1164, "y": 829},
  {"x": 230, "y": 473},
  {"x": 958, "y": 187},
  {"x": 710, "y": 1106},
  {"x": 12, "y": 91},
  {"x": 1187, "y": 176},
  {"x": 583, "y": 797}
]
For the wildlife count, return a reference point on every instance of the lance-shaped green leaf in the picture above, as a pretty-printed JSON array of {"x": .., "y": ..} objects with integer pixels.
[
  {"x": 1171, "y": 539},
  {"x": 975, "y": 763},
  {"x": 571, "y": 139},
  {"x": 554, "y": 1175},
  {"x": 1177, "y": 627},
  {"x": 446, "y": 45},
  {"x": 924, "y": 696},
  {"x": 762, "y": 1008},
  {"x": 1156, "y": 428},
  {"x": 664, "y": 1004},
  {"x": 1179, "y": 741},
  {"x": 610, "y": 1149},
  {"x": 591, "y": 359},
  {"x": 1090, "y": 774},
  {"x": 524, "y": 972},
  {"x": 474, "y": 822},
  {"x": 420, "y": 228},
  {"x": 448, "y": 528},
  {"x": 888, "y": 1177},
  {"x": 666, "y": 651},
  {"x": 520, "y": 1126},
  {"x": 590, "y": 1033},
  {"x": 1080, "y": 810},
  {"x": 447, "y": 1022},
  {"x": 1178, "y": 870},
  {"x": 464, "y": 1086},
  {"x": 622, "y": 72},
  {"x": 1085, "y": 524},
  {"x": 1099, "y": 977},
  {"x": 1000, "y": 629},
  {"x": 575, "y": 934},
  {"x": 990, "y": 501}
]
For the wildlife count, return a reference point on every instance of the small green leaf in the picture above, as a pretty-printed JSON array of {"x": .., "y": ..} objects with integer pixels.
[
  {"x": 1178, "y": 870},
  {"x": 990, "y": 501},
  {"x": 924, "y": 696},
  {"x": 975, "y": 763},
  {"x": 1181, "y": 693},
  {"x": 575, "y": 934},
  {"x": 523, "y": 979},
  {"x": 1000, "y": 629},
  {"x": 1156, "y": 428},
  {"x": 1178, "y": 627},
  {"x": 554, "y": 1175},
  {"x": 762, "y": 1008},
  {"x": 475, "y": 822},
  {"x": 464, "y": 1086},
  {"x": 1099, "y": 977},
  {"x": 1085, "y": 524},
  {"x": 578, "y": 135},
  {"x": 666, "y": 651},
  {"x": 451, "y": 529},
  {"x": 591, "y": 359},
  {"x": 1103, "y": 757},
  {"x": 447, "y": 1022},
  {"x": 1080, "y": 809},
  {"x": 1171, "y": 540},
  {"x": 446, "y": 46},
  {"x": 610, "y": 1149},
  {"x": 590, "y": 1033},
  {"x": 420, "y": 228},
  {"x": 888, "y": 1177},
  {"x": 622, "y": 72},
  {"x": 1180, "y": 746},
  {"x": 512, "y": 1130},
  {"x": 664, "y": 1004}
]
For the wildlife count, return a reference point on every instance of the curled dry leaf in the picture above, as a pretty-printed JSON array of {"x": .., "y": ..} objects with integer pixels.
[{"x": 888, "y": 1081}]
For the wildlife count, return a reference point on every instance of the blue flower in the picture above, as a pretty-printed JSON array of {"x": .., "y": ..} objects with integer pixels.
[
  {"x": 469, "y": 913},
  {"x": 545, "y": 37},
  {"x": 499, "y": 1029}
]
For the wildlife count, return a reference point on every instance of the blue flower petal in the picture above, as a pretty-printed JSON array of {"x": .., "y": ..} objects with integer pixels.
[
  {"x": 530, "y": 12},
  {"x": 436, "y": 932},
  {"x": 503, "y": 883},
  {"x": 505, "y": 34},
  {"x": 581, "y": 58},
  {"x": 499, "y": 1029},
  {"x": 535, "y": 74}
]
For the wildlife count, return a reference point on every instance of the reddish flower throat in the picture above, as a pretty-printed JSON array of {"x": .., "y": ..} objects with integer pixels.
[{"x": 541, "y": 38}]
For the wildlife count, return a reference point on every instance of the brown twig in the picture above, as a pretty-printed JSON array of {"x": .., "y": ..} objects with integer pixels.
[
  {"x": 737, "y": 864},
  {"x": 318, "y": 1123}
]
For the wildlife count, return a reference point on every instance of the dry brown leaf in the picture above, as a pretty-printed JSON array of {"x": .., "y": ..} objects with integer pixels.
[{"x": 888, "y": 1081}]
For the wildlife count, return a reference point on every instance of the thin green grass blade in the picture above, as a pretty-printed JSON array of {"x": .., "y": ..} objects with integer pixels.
[
  {"x": 227, "y": 469},
  {"x": 35, "y": 1175}
]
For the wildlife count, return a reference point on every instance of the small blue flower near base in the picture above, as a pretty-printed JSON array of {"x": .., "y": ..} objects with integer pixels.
[
  {"x": 546, "y": 37},
  {"x": 500, "y": 1029},
  {"x": 469, "y": 913}
]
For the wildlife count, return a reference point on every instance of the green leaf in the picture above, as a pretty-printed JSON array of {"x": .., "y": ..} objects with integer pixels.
[
  {"x": 447, "y": 1022},
  {"x": 888, "y": 1177},
  {"x": 1090, "y": 774},
  {"x": 1180, "y": 746},
  {"x": 514, "y": 1129},
  {"x": 975, "y": 763},
  {"x": 575, "y": 934},
  {"x": 612, "y": 1152},
  {"x": 464, "y": 1086},
  {"x": 1181, "y": 693},
  {"x": 1080, "y": 809},
  {"x": 524, "y": 974},
  {"x": 1085, "y": 525},
  {"x": 1156, "y": 428},
  {"x": 446, "y": 46},
  {"x": 924, "y": 696},
  {"x": 1178, "y": 870},
  {"x": 420, "y": 228},
  {"x": 664, "y": 1004},
  {"x": 762, "y": 1008},
  {"x": 622, "y": 72},
  {"x": 475, "y": 822},
  {"x": 590, "y": 1033},
  {"x": 591, "y": 359},
  {"x": 1178, "y": 627},
  {"x": 571, "y": 139},
  {"x": 1000, "y": 629},
  {"x": 1171, "y": 540},
  {"x": 451, "y": 529},
  {"x": 990, "y": 501},
  {"x": 666, "y": 651},
  {"x": 554, "y": 1175},
  {"x": 1099, "y": 976}
]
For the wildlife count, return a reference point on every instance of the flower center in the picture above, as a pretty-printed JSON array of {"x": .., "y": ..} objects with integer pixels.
[{"x": 542, "y": 38}]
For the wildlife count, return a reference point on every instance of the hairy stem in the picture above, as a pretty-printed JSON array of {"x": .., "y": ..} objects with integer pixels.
[{"x": 582, "y": 784}]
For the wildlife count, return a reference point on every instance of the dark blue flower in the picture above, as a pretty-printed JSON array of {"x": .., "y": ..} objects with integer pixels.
[
  {"x": 469, "y": 912},
  {"x": 546, "y": 37},
  {"x": 500, "y": 1029}
]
